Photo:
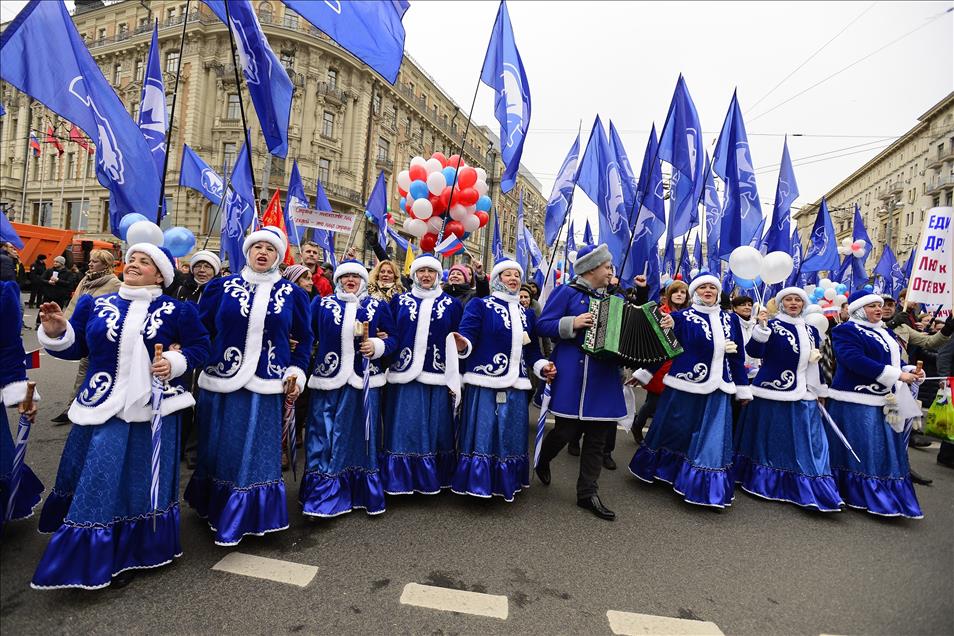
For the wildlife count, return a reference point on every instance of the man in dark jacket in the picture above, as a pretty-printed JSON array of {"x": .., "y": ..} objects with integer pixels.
[
  {"x": 8, "y": 262},
  {"x": 59, "y": 283},
  {"x": 945, "y": 367},
  {"x": 36, "y": 281}
]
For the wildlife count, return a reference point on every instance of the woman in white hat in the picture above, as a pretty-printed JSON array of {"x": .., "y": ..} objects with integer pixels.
[
  {"x": 204, "y": 266},
  {"x": 254, "y": 317}
]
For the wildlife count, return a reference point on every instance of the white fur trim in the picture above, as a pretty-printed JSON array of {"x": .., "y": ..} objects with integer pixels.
[
  {"x": 14, "y": 393},
  {"x": 864, "y": 300},
  {"x": 855, "y": 397},
  {"x": 701, "y": 280},
  {"x": 468, "y": 349},
  {"x": 643, "y": 376},
  {"x": 760, "y": 333},
  {"x": 177, "y": 361},
  {"x": 743, "y": 392},
  {"x": 592, "y": 259},
  {"x": 511, "y": 377},
  {"x": 565, "y": 327},
  {"x": 503, "y": 266},
  {"x": 889, "y": 376},
  {"x": 716, "y": 365},
  {"x": 347, "y": 353},
  {"x": 419, "y": 352},
  {"x": 62, "y": 343},
  {"x": 205, "y": 256},
  {"x": 428, "y": 261},
  {"x": 350, "y": 268},
  {"x": 299, "y": 374},
  {"x": 539, "y": 366},
  {"x": 806, "y": 372},
  {"x": 166, "y": 267},
  {"x": 788, "y": 291},
  {"x": 269, "y": 234},
  {"x": 378, "y": 348}
]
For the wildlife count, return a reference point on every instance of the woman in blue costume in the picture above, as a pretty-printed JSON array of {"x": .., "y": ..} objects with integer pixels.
[
  {"x": 864, "y": 398},
  {"x": 342, "y": 472},
  {"x": 99, "y": 510},
  {"x": 13, "y": 388},
  {"x": 689, "y": 444},
  {"x": 424, "y": 386},
  {"x": 781, "y": 446},
  {"x": 499, "y": 341},
  {"x": 261, "y": 337}
]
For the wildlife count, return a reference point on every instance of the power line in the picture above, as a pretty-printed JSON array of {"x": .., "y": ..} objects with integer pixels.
[
  {"x": 879, "y": 143},
  {"x": 806, "y": 163}
]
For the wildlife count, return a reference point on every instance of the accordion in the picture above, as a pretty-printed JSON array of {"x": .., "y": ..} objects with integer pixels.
[{"x": 628, "y": 334}]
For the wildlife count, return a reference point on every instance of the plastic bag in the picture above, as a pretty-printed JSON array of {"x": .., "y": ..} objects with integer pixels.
[{"x": 939, "y": 421}]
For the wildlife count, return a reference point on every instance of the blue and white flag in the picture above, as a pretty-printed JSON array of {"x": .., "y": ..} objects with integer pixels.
[
  {"x": 294, "y": 199},
  {"x": 44, "y": 57},
  {"x": 733, "y": 163},
  {"x": 713, "y": 219},
  {"x": 196, "y": 174},
  {"x": 562, "y": 194},
  {"x": 523, "y": 250},
  {"x": 371, "y": 31},
  {"x": 684, "y": 264},
  {"x": 587, "y": 234},
  {"x": 496, "y": 245},
  {"x": 909, "y": 265},
  {"x": 399, "y": 240},
  {"x": 795, "y": 249},
  {"x": 757, "y": 240},
  {"x": 324, "y": 238},
  {"x": 238, "y": 210},
  {"x": 378, "y": 209},
  {"x": 268, "y": 83},
  {"x": 859, "y": 233},
  {"x": 697, "y": 252},
  {"x": 503, "y": 72},
  {"x": 889, "y": 277},
  {"x": 152, "y": 105},
  {"x": 669, "y": 256},
  {"x": 680, "y": 145},
  {"x": 626, "y": 175},
  {"x": 600, "y": 178},
  {"x": 536, "y": 258},
  {"x": 822, "y": 253},
  {"x": 650, "y": 222},
  {"x": 779, "y": 236}
]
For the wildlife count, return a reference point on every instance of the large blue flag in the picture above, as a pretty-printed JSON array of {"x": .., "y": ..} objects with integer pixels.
[
  {"x": 152, "y": 106},
  {"x": 822, "y": 253},
  {"x": 496, "y": 245},
  {"x": 536, "y": 257},
  {"x": 196, "y": 174},
  {"x": 779, "y": 236},
  {"x": 733, "y": 163},
  {"x": 697, "y": 252},
  {"x": 268, "y": 83},
  {"x": 626, "y": 176},
  {"x": 680, "y": 145},
  {"x": 795, "y": 250},
  {"x": 371, "y": 31},
  {"x": 324, "y": 238},
  {"x": 294, "y": 199},
  {"x": 669, "y": 255},
  {"x": 503, "y": 72},
  {"x": 909, "y": 265},
  {"x": 600, "y": 180},
  {"x": 562, "y": 194},
  {"x": 238, "y": 210},
  {"x": 713, "y": 220},
  {"x": 650, "y": 222},
  {"x": 684, "y": 264},
  {"x": 859, "y": 233},
  {"x": 523, "y": 250},
  {"x": 378, "y": 207},
  {"x": 8, "y": 234},
  {"x": 890, "y": 278},
  {"x": 587, "y": 234},
  {"x": 44, "y": 57}
]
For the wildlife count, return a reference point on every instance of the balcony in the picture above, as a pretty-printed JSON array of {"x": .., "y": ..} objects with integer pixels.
[
  {"x": 937, "y": 157},
  {"x": 940, "y": 182},
  {"x": 343, "y": 193},
  {"x": 383, "y": 163},
  {"x": 333, "y": 94},
  {"x": 897, "y": 187}
]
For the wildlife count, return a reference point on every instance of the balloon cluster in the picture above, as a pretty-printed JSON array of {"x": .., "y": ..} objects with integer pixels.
[
  {"x": 856, "y": 248},
  {"x": 136, "y": 228},
  {"x": 751, "y": 269},
  {"x": 431, "y": 197},
  {"x": 828, "y": 295}
]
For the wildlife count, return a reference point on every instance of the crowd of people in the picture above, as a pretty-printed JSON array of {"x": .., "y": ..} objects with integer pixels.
[{"x": 419, "y": 382}]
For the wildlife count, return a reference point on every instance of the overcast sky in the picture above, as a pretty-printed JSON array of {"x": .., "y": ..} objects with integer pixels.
[{"x": 621, "y": 60}]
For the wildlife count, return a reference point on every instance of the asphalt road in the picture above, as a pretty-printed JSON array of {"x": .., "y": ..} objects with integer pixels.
[{"x": 756, "y": 568}]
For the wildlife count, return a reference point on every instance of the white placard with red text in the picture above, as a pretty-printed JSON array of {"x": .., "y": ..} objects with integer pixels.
[
  {"x": 323, "y": 219},
  {"x": 932, "y": 276}
]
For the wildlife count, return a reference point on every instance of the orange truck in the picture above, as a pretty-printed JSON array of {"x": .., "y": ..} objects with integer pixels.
[{"x": 55, "y": 242}]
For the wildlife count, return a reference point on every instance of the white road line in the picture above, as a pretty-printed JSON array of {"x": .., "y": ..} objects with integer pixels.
[
  {"x": 442, "y": 598},
  {"x": 631, "y": 624},
  {"x": 264, "y": 568}
]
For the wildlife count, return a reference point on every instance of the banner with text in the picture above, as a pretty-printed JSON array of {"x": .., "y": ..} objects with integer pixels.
[
  {"x": 932, "y": 277},
  {"x": 323, "y": 220}
]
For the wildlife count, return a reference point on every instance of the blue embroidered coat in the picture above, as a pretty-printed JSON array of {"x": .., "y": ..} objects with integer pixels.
[
  {"x": 117, "y": 332},
  {"x": 787, "y": 372},
  {"x": 585, "y": 388},
  {"x": 13, "y": 377},
  {"x": 424, "y": 322},
  {"x": 868, "y": 363},
  {"x": 337, "y": 361},
  {"x": 706, "y": 366},
  {"x": 252, "y": 318},
  {"x": 502, "y": 343}
]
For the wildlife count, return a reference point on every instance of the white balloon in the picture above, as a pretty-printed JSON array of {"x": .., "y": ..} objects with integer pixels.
[
  {"x": 776, "y": 267},
  {"x": 841, "y": 299},
  {"x": 404, "y": 180},
  {"x": 693, "y": 272},
  {"x": 818, "y": 321},
  {"x": 846, "y": 241},
  {"x": 809, "y": 290},
  {"x": 422, "y": 209},
  {"x": 825, "y": 283},
  {"x": 436, "y": 181},
  {"x": 458, "y": 212},
  {"x": 571, "y": 256},
  {"x": 481, "y": 174},
  {"x": 433, "y": 165},
  {"x": 481, "y": 187},
  {"x": 858, "y": 253},
  {"x": 415, "y": 227},
  {"x": 434, "y": 224},
  {"x": 830, "y": 293},
  {"x": 471, "y": 223},
  {"x": 145, "y": 232},
  {"x": 745, "y": 262},
  {"x": 843, "y": 250},
  {"x": 418, "y": 161}
]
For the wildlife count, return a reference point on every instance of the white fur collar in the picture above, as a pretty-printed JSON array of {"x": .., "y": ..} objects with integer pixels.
[
  {"x": 426, "y": 293},
  {"x": 256, "y": 278},
  {"x": 867, "y": 323},
  {"x": 507, "y": 298},
  {"x": 706, "y": 309},
  {"x": 796, "y": 320},
  {"x": 139, "y": 292}
]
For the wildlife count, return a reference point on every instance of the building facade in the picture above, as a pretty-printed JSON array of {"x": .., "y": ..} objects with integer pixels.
[
  {"x": 346, "y": 125},
  {"x": 895, "y": 189}
]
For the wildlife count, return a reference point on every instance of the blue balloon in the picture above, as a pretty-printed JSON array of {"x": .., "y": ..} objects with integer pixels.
[
  {"x": 418, "y": 189},
  {"x": 403, "y": 204},
  {"x": 179, "y": 241},
  {"x": 126, "y": 222},
  {"x": 484, "y": 203},
  {"x": 841, "y": 288},
  {"x": 869, "y": 288},
  {"x": 745, "y": 283},
  {"x": 449, "y": 175}
]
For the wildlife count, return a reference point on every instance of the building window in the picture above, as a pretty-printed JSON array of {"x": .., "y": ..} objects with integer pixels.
[
  {"x": 143, "y": 21},
  {"x": 234, "y": 108},
  {"x": 265, "y": 12},
  {"x": 43, "y": 213},
  {"x": 228, "y": 155},
  {"x": 949, "y": 199},
  {"x": 936, "y": 202},
  {"x": 290, "y": 20},
  {"x": 384, "y": 149},
  {"x": 407, "y": 125},
  {"x": 276, "y": 167},
  {"x": 332, "y": 78},
  {"x": 376, "y": 102},
  {"x": 101, "y": 34},
  {"x": 70, "y": 166},
  {"x": 117, "y": 73},
  {"x": 172, "y": 61},
  {"x": 52, "y": 173},
  {"x": 324, "y": 170},
  {"x": 328, "y": 124},
  {"x": 90, "y": 165},
  {"x": 288, "y": 61},
  {"x": 170, "y": 14},
  {"x": 77, "y": 215},
  {"x": 123, "y": 29},
  {"x": 104, "y": 220},
  {"x": 140, "y": 70}
]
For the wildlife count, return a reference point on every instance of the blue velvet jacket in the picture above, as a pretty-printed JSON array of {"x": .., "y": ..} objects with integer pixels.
[
  {"x": 787, "y": 372},
  {"x": 502, "y": 341},
  {"x": 868, "y": 363},
  {"x": 706, "y": 366},
  {"x": 117, "y": 332},
  {"x": 585, "y": 388},
  {"x": 337, "y": 361},
  {"x": 13, "y": 377},
  {"x": 424, "y": 347},
  {"x": 252, "y": 318}
]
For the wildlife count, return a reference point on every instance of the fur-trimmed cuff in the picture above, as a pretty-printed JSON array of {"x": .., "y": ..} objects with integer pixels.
[
  {"x": 567, "y": 332},
  {"x": 743, "y": 392},
  {"x": 177, "y": 361},
  {"x": 15, "y": 392},
  {"x": 760, "y": 333},
  {"x": 643, "y": 376},
  {"x": 820, "y": 391},
  {"x": 299, "y": 379},
  {"x": 56, "y": 344},
  {"x": 469, "y": 349},
  {"x": 378, "y": 348},
  {"x": 889, "y": 376},
  {"x": 538, "y": 367}
]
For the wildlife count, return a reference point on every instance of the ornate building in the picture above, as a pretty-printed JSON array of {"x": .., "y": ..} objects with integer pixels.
[{"x": 347, "y": 124}]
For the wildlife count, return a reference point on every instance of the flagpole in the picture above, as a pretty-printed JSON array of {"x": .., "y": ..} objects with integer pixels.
[
  {"x": 172, "y": 110},
  {"x": 26, "y": 163},
  {"x": 83, "y": 189},
  {"x": 566, "y": 215},
  {"x": 39, "y": 216},
  {"x": 218, "y": 209}
]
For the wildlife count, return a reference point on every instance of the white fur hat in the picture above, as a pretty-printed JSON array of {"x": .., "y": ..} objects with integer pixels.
[
  {"x": 205, "y": 256},
  {"x": 351, "y": 267},
  {"x": 428, "y": 261},
  {"x": 269, "y": 234},
  {"x": 788, "y": 291},
  {"x": 160, "y": 256},
  {"x": 702, "y": 280},
  {"x": 503, "y": 266}
]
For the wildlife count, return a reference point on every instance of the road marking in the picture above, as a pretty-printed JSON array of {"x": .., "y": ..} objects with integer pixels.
[
  {"x": 631, "y": 624},
  {"x": 264, "y": 568},
  {"x": 442, "y": 598}
]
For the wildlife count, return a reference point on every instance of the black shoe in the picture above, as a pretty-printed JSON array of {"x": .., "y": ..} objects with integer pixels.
[
  {"x": 919, "y": 441},
  {"x": 543, "y": 472},
  {"x": 922, "y": 481},
  {"x": 573, "y": 448},
  {"x": 594, "y": 505},
  {"x": 62, "y": 418},
  {"x": 608, "y": 462},
  {"x": 637, "y": 436},
  {"x": 123, "y": 579}
]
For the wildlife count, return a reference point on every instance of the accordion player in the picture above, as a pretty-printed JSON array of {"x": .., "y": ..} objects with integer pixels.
[{"x": 629, "y": 334}]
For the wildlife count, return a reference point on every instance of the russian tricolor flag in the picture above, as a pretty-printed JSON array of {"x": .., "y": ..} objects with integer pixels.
[
  {"x": 449, "y": 246},
  {"x": 34, "y": 145},
  {"x": 32, "y": 359}
]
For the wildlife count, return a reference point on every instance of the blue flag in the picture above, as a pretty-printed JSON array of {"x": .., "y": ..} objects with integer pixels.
[
  {"x": 669, "y": 256},
  {"x": 496, "y": 245},
  {"x": 196, "y": 174},
  {"x": 8, "y": 234},
  {"x": 536, "y": 257},
  {"x": 795, "y": 249},
  {"x": 562, "y": 194},
  {"x": 378, "y": 208},
  {"x": 650, "y": 222},
  {"x": 733, "y": 163},
  {"x": 44, "y": 57},
  {"x": 779, "y": 236},
  {"x": 600, "y": 178},
  {"x": 571, "y": 237},
  {"x": 324, "y": 238},
  {"x": 294, "y": 199},
  {"x": 843, "y": 275},
  {"x": 713, "y": 219},
  {"x": 238, "y": 210},
  {"x": 268, "y": 83},
  {"x": 909, "y": 265},
  {"x": 399, "y": 240},
  {"x": 890, "y": 278},
  {"x": 569, "y": 246},
  {"x": 503, "y": 72},
  {"x": 587, "y": 234},
  {"x": 152, "y": 105},
  {"x": 626, "y": 176},
  {"x": 2, "y": 111},
  {"x": 697, "y": 252},
  {"x": 684, "y": 264},
  {"x": 756, "y": 240},
  {"x": 822, "y": 253},
  {"x": 523, "y": 250},
  {"x": 680, "y": 145}
]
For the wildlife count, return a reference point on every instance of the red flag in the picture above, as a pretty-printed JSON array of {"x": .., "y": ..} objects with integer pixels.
[
  {"x": 50, "y": 139},
  {"x": 76, "y": 136},
  {"x": 273, "y": 216}
]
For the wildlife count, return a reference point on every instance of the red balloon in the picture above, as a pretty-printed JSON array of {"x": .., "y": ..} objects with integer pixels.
[
  {"x": 428, "y": 241},
  {"x": 678, "y": 276},
  {"x": 455, "y": 161},
  {"x": 402, "y": 191},
  {"x": 466, "y": 177},
  {"x": 446, "y": 197},
  {"x": 418, "y": 173},
  {"x": 454, "y": 227},
  {"x": 483, "y": 217},
  {"x": 467, "y": 196},
  {"x": 440, "y": 157},
  {"x": 558, "y": 274},
  {"x": 437, "y": 203}
]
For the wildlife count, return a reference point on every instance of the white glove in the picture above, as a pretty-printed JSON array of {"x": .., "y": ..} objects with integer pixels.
[
  {"x": 814, "y": 356},
  {"x": 731, "y": 347}
]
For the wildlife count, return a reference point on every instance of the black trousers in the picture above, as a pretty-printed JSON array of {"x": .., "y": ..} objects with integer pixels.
[
  {"x": 594, "y": 433},
  {"x": 646, "y": 411}
]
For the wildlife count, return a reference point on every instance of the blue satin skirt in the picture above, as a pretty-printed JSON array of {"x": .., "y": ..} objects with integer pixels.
[
  {"x": 30, "y": 488},
  {"x": 492, "y": 444},
  {"x": 238, "y": 485},
  {"x": 109, "y": 526},
  {"x": 782, "y": 454},
  {"x": 341, "y": 471},
  {"x": 881, "y": 482},
  {"x": 418, "y": 438},
  {"x": 689, "y": 445}
]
